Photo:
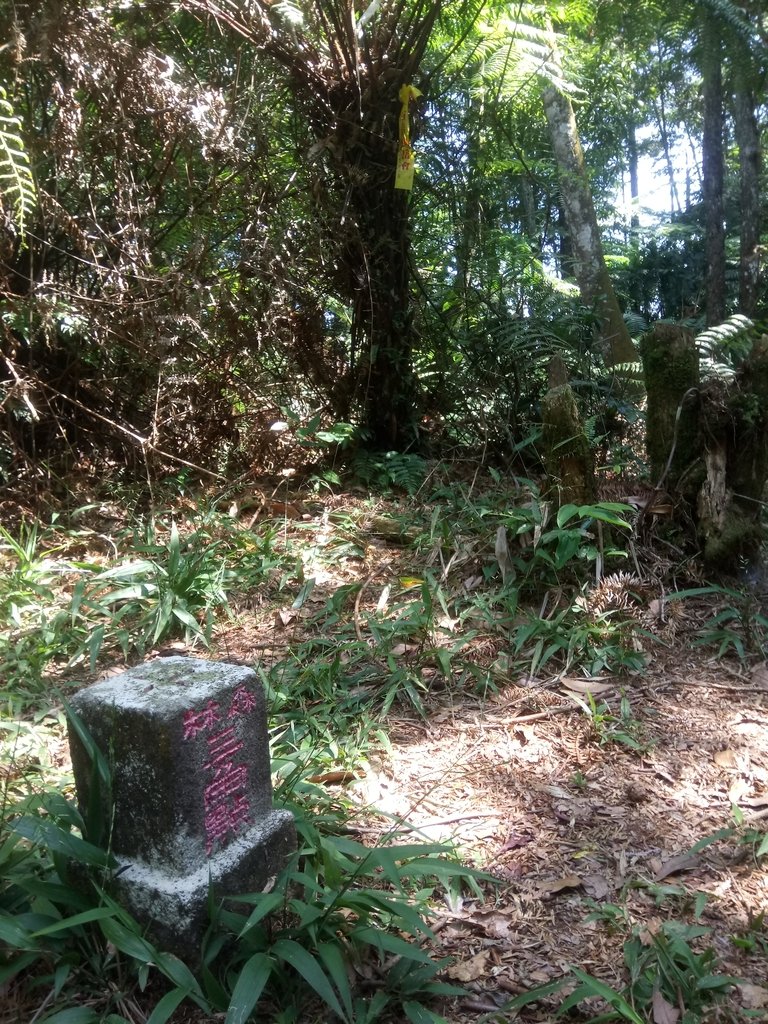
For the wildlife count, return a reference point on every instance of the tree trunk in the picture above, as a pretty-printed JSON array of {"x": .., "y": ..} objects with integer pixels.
[
  {"x": 713, "y": 171},
  {"x": 567, "y": 455},
  {"x": 382, "y": 318},
  {"x": 736, "y": 457},
  {"x": 591, "y": 272},
  {"x": 706, "y": 443},
  {"x": 661, "y": 118},
  {"x": 564, "y": 247},
  {"x": 671, "y": 370},
  {"x": 344, "y": 76},
  {"x": 634, "y": 182},
  {"x": 748, "y": 139}
]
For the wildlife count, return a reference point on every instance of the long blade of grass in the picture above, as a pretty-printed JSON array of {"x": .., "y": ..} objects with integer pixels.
[
  {"x": 594, "y": 987},
  {"x": 249, "y": 987},
  {"x": 268, "y": 903},
  {"x": 96, "y": 914},
  {"x": 418, "y": 1014},
  {"x": 14, "y": 934},
  {"x": 127, "y": 942},
  {"x": 386, "y": 942},
  {"x": 167, "y": 1005},
  {"x": 330, "y": 954},
  {"x": 73, "y": 1015},
  {"x": 57, "y": 840},
  {"x": 178, "y": 972},
  {"x": 310, "y": 970}
]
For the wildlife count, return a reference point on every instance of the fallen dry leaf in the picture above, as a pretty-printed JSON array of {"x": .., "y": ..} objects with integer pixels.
[
  {"x": 592, "y": 686},
  {"x": 725, "y": 758},
  {"x": 501, "y": 551},
  {"x": 651, "y": 928},
  {"x": 557, "y": 791},
  {"x": 496, "y": 924},
  {"x": 554, "y": 885},
  {"x": 446, "y": 622},
  {"x": 738, "y": 790},
  {"x": 470, "y": 970},
  {"x": 597, "y": 886},
  {"x": 663, "y": 1012},
  {"x": 681, "y": 862},
  {"x": 285, "y": 616},
  {"x": 753, "y": 997},
  {"x": 400, "y": 649},
  {"x": 758, "y": 800},
  {"x": 337, "y": 777}
]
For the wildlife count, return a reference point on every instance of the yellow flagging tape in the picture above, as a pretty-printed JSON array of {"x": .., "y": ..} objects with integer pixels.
[{"x": 405, "y": 160}]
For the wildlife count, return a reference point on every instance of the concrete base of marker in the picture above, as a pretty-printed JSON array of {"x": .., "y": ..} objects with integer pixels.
[{"x": 175, "y": 908}]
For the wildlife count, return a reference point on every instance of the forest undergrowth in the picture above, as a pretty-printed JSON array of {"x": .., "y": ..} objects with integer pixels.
[{"x": 525, "y": 748}]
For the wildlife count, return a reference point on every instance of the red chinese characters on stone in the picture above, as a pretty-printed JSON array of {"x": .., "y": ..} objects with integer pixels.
[
  {"x": 226, "y": 805},
  {"x": 222, "y": 747},
  {"x": 223, "y": 819},
  {"x": 225, "y": 801},
  {"x": 200, "y": 721},
  {"x": 243, "y": 702}
]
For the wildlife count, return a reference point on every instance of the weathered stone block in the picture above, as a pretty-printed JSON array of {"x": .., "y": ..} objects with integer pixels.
[{"x": 191, "y": 802}]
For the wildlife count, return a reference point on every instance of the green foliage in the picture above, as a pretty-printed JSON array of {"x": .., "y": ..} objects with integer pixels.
[
  {"x": 609, "y": 727},
  {"x": 390, "y": 470},
  {"x": 17, "y": 185},
  {"x": 36, "y": 625},
  {"x": 739, "y": 626},
  {"x": 28, "y": 581},
  {"x": 54, "y": 608},
  {"x": 178, "y": 587},
  {"x": 754, "y": 937},
  {"x": 724, "y": 347},
  {"x": 666, "y": 969},
  {"x": 663, "y": 972},
  {"x": 174, "y": 591},
  {"x": 337, "y": 908}
]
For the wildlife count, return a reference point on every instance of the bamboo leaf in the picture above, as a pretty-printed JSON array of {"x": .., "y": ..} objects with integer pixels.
[
  {"x": 248, "y": 988},
  {"x": 50, "y": 836},
  {"x": 165, "y": 1008},
  {"x": 310, "y": 970}
]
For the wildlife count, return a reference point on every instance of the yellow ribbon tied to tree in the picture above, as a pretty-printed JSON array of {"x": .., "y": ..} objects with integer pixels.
[{"x": 405, "y": 162}]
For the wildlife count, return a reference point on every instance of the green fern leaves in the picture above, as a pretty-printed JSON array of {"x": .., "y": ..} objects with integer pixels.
[
  {"x": 17, "y": 186},
  {"x": 723, "y": 347}
]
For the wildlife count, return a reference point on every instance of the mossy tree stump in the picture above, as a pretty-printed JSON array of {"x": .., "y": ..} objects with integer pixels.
[
  {"x": 568, "y": 457},
  {"x": 671, "y": 371},
  {"x": 735, "y": 417},
  {"x": 707, "y": 442}
]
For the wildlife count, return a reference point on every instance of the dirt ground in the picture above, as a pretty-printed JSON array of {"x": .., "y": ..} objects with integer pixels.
[
  {"x": 584, "y": 821},
  {"x": 526, "y": 790},
  {"x": 586, "y": 833}
]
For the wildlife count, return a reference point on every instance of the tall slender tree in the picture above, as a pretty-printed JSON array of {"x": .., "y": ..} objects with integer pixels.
[
  {"x": 713, "y": 167},
  {"x": 591, "y": 271}
]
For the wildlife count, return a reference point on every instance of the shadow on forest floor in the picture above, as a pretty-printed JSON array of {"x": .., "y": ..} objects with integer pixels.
[{"x": 584, "y": 810}]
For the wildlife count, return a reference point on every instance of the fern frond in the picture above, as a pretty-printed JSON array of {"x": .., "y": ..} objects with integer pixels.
[
  {"x": 17, "y": 186},
  {"x": 723, "y": 346},
  {"x": 288, "y": 12},
  {"x": 734, "y": 16},
  {"x": 636, "y": 324}
]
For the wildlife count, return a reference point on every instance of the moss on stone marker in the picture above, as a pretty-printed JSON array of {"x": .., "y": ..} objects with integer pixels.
[{"x": 190, "y": 805}]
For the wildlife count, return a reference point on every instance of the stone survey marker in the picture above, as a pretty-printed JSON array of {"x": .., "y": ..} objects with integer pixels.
[{"x": 186, "y": 743}]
